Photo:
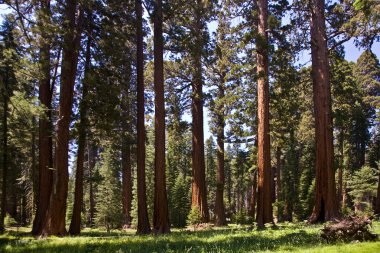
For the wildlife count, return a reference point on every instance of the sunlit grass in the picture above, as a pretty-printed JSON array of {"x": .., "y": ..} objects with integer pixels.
[{"x": 283, "y": 238}]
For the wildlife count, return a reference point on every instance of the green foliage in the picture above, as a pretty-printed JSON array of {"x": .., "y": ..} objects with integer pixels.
[
  {"x": 241, "y": 217},
  {"x": 180, "y": 195},
  {"x": 9, "y": 221},
  {"x": 195, "y": 217},
  {"x": 363, "y": 186},
  {"x": 210, "y": 157},
  {"x": 108, "y": 206}
]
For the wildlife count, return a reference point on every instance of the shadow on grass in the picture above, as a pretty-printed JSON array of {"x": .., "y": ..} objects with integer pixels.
[{"x": 201, "y": 241}]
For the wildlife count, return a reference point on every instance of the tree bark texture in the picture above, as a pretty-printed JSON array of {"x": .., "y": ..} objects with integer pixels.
[
  {"x": 264, "y": 193},
  {"x": 75, "y": 225},
  {"x": 45, "y": 141},
  {"x": 325, "y": 201},
  {"x": 56, "y": 214},
  {"x": 161, "y": 213},
  {"x": 143, "y": 226},
  {"x": 220, "y": 217},
  {"x": 198, "y": 190}
]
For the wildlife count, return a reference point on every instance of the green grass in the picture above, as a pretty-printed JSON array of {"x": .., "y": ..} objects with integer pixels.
[{"x": 284, "y": 238}]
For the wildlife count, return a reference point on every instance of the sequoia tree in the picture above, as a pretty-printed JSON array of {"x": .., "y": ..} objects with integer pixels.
[
  {"x": 56, "y": 213},
  {"x": 264, "y": 190},
  {"x": 75, "y": 224},
  {"x": 45, "y": 126},
  {"x": 143, "y": 226},
  {"x": 161, "y": 213},
  {"x": 325, "y": 200},
  {"x": 199, "y": 196}
]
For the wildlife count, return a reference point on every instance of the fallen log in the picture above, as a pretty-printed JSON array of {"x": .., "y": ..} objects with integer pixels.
[{"x": 351, "y": 228}]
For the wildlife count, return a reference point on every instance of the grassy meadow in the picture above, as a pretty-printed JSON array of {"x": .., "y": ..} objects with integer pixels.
[{"x": 283, "y": 238}]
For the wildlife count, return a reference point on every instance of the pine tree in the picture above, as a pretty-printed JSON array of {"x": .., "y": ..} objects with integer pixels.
[
  {"x": 8, "y": 81},
  {"x": 109, "y": 207}
]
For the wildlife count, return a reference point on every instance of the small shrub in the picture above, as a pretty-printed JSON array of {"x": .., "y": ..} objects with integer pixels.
[
  {"x": 194, "y": 218},
  {"x": 9, "y": 221},
  {"x": 242, "y": 218}
]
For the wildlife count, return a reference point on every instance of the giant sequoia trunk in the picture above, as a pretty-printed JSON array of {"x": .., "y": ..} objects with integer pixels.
[
  {"x": 220, "y": 217},
  {"x": 75, "y": 224},
  {"x": 264, "y": 191},
  {"x": 56, "y": 214},
  {"x": 45, "y": 126},
  {"x": 325, "y": 202},
  {"x": 143, "y": 226},
  {"x": 198, "y": 190},
  {"x": 161, "y": 213}
]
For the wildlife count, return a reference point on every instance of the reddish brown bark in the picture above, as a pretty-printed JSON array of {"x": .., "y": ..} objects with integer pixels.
[
  {"x": 75, "y": 225},
  {"x": 264, "y": 191},
  {"x": 220, "y": 217},
  {"x": 56, "y": 214},
  {"x": 325, "y": 202},
  {"x": 45, "y": 141},
  {"x": 143, "y": 226},
  {"x": 161, "y": 213},
  {"x": 198, "y": 190}
]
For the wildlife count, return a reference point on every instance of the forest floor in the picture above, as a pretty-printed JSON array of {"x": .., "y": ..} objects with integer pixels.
[{"x": 284, "y": 238}]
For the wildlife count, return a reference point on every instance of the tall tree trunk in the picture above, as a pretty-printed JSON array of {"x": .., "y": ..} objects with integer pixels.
[
  {"x": 340, "y": 168},
  {"x": 45, "y": 143},
  {"x": 161, "y": 213},
  {"x": 198, "y": 190},
  {"x": 33, "y": 171},
  {"x": 325, "y": 203},
  {"x": 127, "y": 181},
  {"x": 264, "y": 193},
  {"x": 278, "y": 184},
  {"x": 56, "y": 214},
  {"x": 143, "y": 226},
  {"x": 5, "y": 155},
  {"x": 75, "y": 225},
  {"x": 253, "y": 197},
  {"x": 92, "y": 151},
  {"x": 219, "y": 196}
]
